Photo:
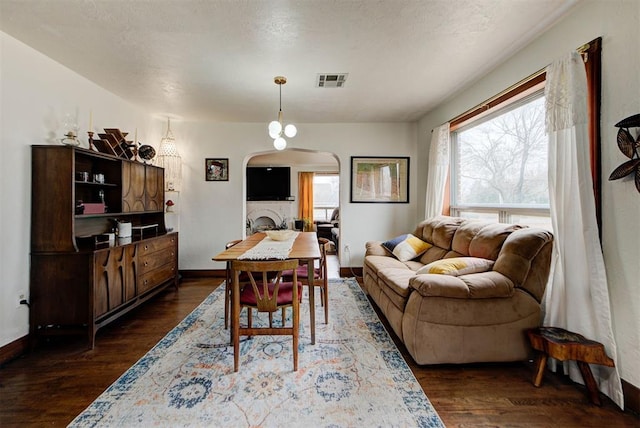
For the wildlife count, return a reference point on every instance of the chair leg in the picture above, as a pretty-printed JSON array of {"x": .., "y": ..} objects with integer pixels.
[
  {"x": 235, "y": 332},
  {"x": 325, "y": 300},
  {"x": 296, "y": 331}
]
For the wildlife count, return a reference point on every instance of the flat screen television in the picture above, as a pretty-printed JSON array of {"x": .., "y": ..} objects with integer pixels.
[{"x": 268, "y": 183}]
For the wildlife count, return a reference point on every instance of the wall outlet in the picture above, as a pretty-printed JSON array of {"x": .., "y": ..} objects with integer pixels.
[
  {"x": 346, "y": 248},
  {"x": 21, "y": 297}
]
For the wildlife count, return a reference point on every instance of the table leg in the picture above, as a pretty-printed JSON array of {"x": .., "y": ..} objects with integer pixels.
[
  {"x": 590, "y": 383},
  {"x": 541, "y": 364},
  {"x": 312, "y": 304}
]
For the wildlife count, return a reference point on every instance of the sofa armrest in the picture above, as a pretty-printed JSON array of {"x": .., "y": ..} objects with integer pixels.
[
  {"x": 483, "y": 285},
  {"x": 375, "y": 248}
]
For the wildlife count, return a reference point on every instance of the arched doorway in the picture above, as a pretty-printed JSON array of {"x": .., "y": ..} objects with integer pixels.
[{"x": 261, "y": 215}]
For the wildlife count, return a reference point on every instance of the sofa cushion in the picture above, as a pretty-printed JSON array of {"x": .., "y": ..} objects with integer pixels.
[
  {"x": 473, "y": 286},
  {"x": 457, "y": 266},
  {"x": 377, "y": 263},
  {"x": 397, "y": 281},
  {"x": 406, "y": 247}
]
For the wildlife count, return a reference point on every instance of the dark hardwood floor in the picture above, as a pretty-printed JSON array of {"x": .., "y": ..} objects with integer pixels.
[{"x": 54, "y": 383}]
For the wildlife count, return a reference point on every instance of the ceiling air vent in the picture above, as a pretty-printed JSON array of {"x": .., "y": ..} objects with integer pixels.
[{"x": 335, "y": 80}]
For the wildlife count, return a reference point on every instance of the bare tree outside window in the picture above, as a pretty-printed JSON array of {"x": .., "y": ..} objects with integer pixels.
[
  {"x": 503, "y": 160},
  {"x": 499, "y": 166}
]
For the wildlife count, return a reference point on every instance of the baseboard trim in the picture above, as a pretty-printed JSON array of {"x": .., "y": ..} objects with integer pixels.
[
  {"x": 631, "y": 397},
  {"x": 203, "y": 273},
  {"x": 14, "y": 349},
  {"x": 347, "y": 272}
]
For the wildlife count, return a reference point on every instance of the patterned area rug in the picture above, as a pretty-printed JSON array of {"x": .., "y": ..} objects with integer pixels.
[{"x": 353, "y": 376}]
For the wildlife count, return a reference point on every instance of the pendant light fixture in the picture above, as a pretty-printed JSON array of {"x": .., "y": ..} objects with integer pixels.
[
  {"x": 169, "y": 158},
  {"x": 276, "y": 129}
]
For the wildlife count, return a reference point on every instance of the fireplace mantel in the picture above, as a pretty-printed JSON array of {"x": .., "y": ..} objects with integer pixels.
[{"x": 268, "y": 215}]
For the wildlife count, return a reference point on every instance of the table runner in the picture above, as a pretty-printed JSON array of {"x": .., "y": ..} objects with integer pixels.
[{"x": 267, "y": 248}]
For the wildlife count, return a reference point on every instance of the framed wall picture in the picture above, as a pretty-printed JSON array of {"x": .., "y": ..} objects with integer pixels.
[
  {"x": 379, "y": 179},
  {"x": 216, "y": 169}
]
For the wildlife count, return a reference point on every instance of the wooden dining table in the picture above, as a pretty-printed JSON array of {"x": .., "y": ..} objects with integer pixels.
[{"x": 305, "y": 247}]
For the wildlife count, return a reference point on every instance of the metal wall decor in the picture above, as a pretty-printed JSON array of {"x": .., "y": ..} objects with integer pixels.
[{"x": 630, "y": 147}]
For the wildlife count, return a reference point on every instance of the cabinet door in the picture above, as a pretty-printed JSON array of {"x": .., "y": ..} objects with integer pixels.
[
  {"x": 114, "y": 278},
  {"x": 133, "y": 187},
  {"x": 154, "y": 183}
]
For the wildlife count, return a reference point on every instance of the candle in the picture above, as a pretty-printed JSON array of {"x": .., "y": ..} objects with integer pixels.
[
  {"x": 135, "y": 140},
  {"x": 90, "y": 120}
]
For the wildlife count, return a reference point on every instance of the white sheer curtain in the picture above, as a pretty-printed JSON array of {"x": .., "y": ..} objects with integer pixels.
[
  {"x": 577, "y": 297},
  {"x": 438, "y": 170}
]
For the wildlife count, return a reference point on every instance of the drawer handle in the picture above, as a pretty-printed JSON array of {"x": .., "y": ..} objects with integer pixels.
[
  {"x": 146, "y": 247},
  {"x": 146, "y": 281},
  {"x": 146, "y": 263}
]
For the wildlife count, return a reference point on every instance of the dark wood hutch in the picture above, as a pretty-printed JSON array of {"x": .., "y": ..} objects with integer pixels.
[{"x": 80, "y": 279}]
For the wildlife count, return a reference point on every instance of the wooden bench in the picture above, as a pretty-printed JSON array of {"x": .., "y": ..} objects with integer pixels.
[{"x": 565, "y": 345}]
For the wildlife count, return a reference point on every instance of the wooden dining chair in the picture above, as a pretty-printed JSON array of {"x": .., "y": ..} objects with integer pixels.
[
  {"x": 320, "y": 276},
  {"x": 266, "y": 291}
]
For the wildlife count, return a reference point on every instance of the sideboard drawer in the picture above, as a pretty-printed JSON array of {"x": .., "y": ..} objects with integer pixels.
[
  {"x": 157, "y": 244},
  {"x": 153, "y": 261},
  {"x": 156, "y": 277}
]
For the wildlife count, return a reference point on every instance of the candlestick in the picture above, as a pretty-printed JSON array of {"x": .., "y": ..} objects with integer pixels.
[{"x": 90, "y": 139}]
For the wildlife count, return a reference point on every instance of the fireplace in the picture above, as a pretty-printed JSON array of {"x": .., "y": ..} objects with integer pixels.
[{"x": 269, "y": 215}]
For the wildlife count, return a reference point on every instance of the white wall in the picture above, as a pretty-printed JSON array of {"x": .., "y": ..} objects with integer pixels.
[
  {"x": 36, "y": 92},
  {"x": 213, "y": 212},
  {"x": 617, "y": 23}
]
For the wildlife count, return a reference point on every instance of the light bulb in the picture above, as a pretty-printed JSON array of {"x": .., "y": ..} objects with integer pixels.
[
  {"x": 274, "y": 135},
  {"x": 280, "y": 143},
  {"x": 290, "y": 130},
  {"x": 275, "y": 127}
]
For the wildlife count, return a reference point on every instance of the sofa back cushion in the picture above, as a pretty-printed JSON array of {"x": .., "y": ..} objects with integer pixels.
[
  {"x": 522, "y": 254},
  {"x": 439, "y": 232},
  {"x": 480, "y": 239},
  {"x": 526, "y": 259}
]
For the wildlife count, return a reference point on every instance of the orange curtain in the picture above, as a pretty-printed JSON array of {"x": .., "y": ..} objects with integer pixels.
[{"x": 305, "y": 199}]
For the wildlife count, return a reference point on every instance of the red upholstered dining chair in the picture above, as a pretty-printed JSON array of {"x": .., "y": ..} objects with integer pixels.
[
  {"x": 265, "y": 293},
  {"x": 320, "y": 279}
]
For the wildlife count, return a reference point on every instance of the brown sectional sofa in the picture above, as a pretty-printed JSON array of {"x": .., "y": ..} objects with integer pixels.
[{"x": 476, "y": 317}]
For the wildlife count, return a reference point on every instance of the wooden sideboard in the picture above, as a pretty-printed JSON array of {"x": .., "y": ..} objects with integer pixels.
[{"x": 79, "y": 281}]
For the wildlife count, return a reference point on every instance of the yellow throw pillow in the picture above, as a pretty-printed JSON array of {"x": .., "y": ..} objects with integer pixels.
[{"x": 457, "y": 266}]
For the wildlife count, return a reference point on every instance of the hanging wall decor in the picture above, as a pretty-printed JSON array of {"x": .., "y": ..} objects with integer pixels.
[
  {"x": 216, "y": 169},
  {"x": 630, "y": 147}
]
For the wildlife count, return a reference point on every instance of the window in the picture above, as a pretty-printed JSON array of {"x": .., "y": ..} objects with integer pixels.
[
  {"x": 326, "y": 192},
  {"x": 523, "y": 206},
  {"x": 499, "y": 165}
]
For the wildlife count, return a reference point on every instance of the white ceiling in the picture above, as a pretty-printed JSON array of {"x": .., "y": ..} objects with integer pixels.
[{"x": 215, "y": 60}]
